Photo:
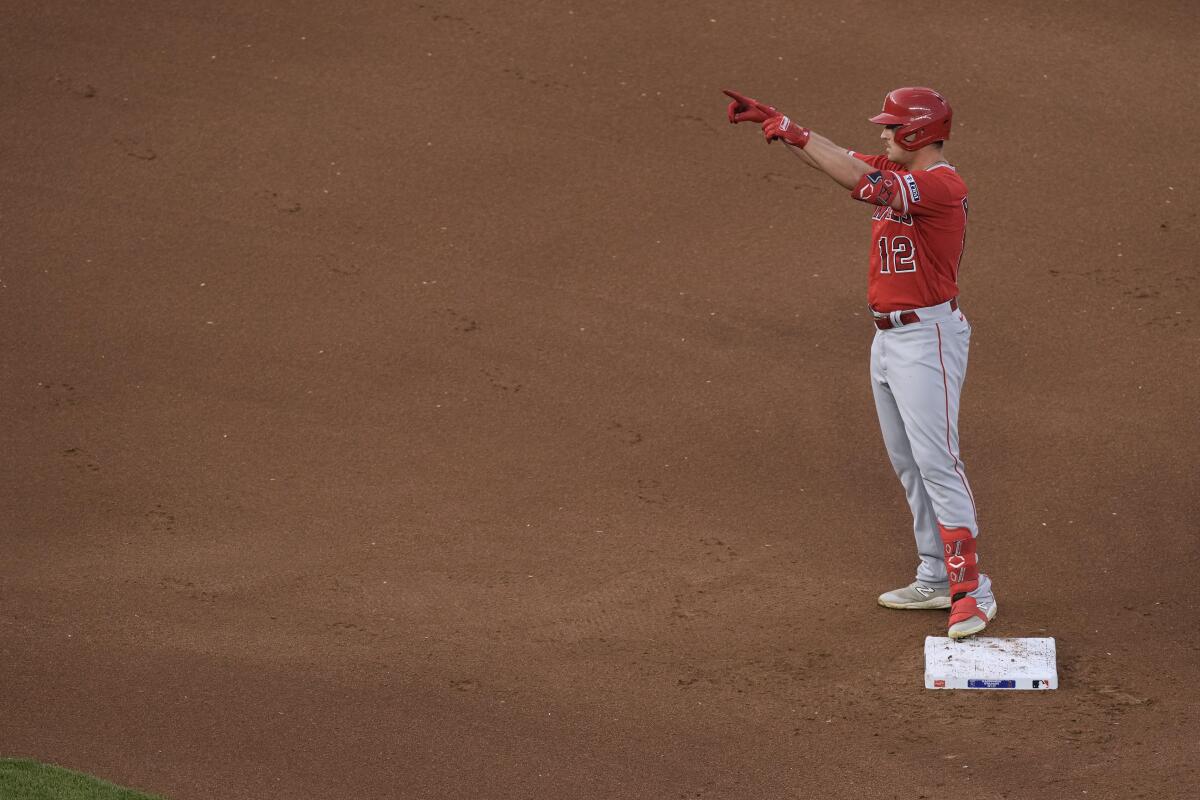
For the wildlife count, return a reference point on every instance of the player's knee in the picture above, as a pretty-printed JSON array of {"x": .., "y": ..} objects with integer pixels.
[{"x": 943, "y": 477}]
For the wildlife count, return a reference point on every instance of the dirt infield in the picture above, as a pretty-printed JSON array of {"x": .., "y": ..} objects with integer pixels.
[{"x": 439, "y": 400}]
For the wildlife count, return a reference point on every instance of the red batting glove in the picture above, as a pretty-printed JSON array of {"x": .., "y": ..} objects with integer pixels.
[
  {"x": 783, "y": 128},
  {"x": 747, "y": 109}
]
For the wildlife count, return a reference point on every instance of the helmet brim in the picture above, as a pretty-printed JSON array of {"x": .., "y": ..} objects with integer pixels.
[{"x": 888, "y": 119}]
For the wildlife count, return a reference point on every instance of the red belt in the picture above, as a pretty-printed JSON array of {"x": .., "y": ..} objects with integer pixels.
[{"x": 883, "y": 321}]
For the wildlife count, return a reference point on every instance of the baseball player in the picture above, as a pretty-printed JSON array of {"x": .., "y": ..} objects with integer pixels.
[{"x": 919, "y": 353}]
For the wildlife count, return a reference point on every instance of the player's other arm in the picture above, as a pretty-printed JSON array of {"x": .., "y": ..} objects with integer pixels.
[{"x": 866, "y": 182}]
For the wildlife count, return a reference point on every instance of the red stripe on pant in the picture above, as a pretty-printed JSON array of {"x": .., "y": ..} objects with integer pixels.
[{"x": 949, "y": 447}]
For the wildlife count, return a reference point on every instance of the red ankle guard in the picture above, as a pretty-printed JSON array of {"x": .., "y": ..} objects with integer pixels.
[
  {"x": 961, "y": 561},
  {"x": 965, "y": 608}
]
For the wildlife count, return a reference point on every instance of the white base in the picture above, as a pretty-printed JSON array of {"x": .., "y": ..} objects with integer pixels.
[{"x": 981, "y": 663}]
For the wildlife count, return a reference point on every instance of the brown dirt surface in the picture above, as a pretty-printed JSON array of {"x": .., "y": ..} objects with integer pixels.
[{"x": 440, "y": 400}]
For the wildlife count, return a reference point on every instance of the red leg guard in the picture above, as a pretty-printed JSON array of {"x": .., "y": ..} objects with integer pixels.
[{"x": 961, "y": 566}]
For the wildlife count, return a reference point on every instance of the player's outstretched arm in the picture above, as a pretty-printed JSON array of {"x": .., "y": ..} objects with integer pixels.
[
  {"x": 812, "y": 148},
  {"x": 816, "y": 151},
  {"x": 834, "y": 161},
  {"x": 864, "y": 181}
]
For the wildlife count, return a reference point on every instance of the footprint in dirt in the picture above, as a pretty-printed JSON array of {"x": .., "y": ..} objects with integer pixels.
[
  {"x": 696, "y": 122},
  {"x": 460, "y": 322},
  {"x": 160, "y": 521},
  {"x": 718, "y": 548},
  {"x": 457, "y": 22},
  {"x": 650, "y": 492},
  {"x": 75, "y": 86},
  {"x": 135, "y": 147},
  {"x": 499, "y": 379},
  {"x": 786, "y": 180},
  {"x": 280, "y": 202},
  {"x": 625, "y": 434},
  {"x": 79, "y": 459},
  {"x": 351, "y": 629},
  {"x": 59, "y": 395},
  {"x": 539, "y": 82}
]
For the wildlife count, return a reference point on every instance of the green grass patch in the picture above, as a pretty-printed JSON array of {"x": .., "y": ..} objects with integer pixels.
[{"x": 21, "y": 779}]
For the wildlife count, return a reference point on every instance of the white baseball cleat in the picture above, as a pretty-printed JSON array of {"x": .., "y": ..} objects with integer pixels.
[
  {"x": 916, "y": 596},
  {"x": 973, "y": 624}
]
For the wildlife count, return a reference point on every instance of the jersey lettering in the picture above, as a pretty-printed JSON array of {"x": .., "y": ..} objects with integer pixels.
[
  {"x": 892, "y": 215},
  {"x": 915, "y": 251}
]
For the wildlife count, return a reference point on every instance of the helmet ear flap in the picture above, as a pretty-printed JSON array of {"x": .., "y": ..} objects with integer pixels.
[{"x": 913, "y": 138}]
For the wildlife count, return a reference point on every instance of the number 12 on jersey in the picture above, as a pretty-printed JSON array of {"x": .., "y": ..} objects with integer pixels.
[{"x": 896, "y": 254}]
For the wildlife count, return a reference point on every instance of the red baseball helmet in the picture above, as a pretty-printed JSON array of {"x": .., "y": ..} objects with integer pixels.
[{"x": 922, "y": 114}]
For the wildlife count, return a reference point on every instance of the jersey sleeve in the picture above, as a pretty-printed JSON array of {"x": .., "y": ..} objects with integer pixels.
[{"x": 930, "y": 193}]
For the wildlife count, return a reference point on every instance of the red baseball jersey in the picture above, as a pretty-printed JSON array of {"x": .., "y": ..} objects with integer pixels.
[{"x": 916, "y": 252}]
